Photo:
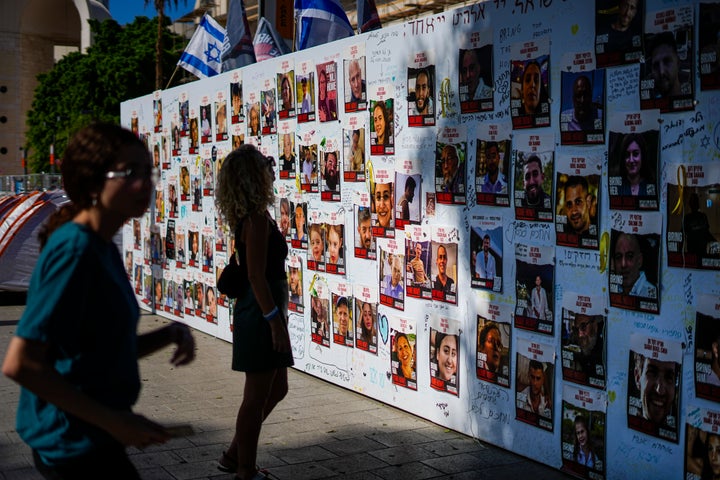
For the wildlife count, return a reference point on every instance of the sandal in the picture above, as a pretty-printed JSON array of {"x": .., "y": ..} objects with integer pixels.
[{"x": 228, "y": 465}]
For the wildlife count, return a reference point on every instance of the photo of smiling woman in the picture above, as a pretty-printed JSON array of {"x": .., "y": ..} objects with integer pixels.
[
  {"x": 445, "y": 360},
  {"x": 633, "y": 170},
  {"x": 381, "y": 196},
  {"x": 402, "y": 360}
]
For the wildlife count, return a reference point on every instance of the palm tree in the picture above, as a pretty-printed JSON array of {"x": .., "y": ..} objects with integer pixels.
[{"x": 160, "y": 7}]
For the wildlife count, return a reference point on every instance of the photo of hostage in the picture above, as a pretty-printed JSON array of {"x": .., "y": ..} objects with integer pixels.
[
  {"x": 473, "y": 75},
  {"x": 75, "y": 406},
  {"x": 490, "y": 348},
  {"x": 533, "y": 179},
  {"x": 583, "y": 452},
  {"x": 416, "y": 267},
  {"x": 382, "y": 124},
  {"x": 533, "y": 398},
  {"x": 445, "y": 354},
  {"x": 383, "y": 202},
  {"x": 453, "y": 180},
  {"x": 368, "y": 331},
  {"x": 580, "y": 206},
  {"x": 423, "y": 93},
  {"x": 697, "y": 228},
  {"x": 319, "y": 317},
  {"x": 261, "y": 342},
  {"x": 343, "y": 321},
  {"x": 485, "y": 261},
  {"x": 331, "y": 175},
  {"x": 627, "y": 261},
  {"x": 405, "y": 356},
  {"x": 532, "y": 92},
  {"x": 581, "y": 118},
  {"x": 587, "y": 341},
  {"x": 392, "y": 283},
  {"x": 539, "y": 307},
  {"x": 494, "y": 181},
  {"x": 357, "y": 83},
  {"x": 287, "y": 99},
  {"x": 443, "y": 281},
  {"x": 703, "y": 454},
  {"x": 655, "y": 384},
  {"x": 635, "y": 166},
  {"x": 364, "y": 237},
  {"x": 666, "y": 72},
  {"x": 407, "y": 198}
]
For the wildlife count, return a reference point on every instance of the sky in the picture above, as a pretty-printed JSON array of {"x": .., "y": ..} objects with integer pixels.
[{"x": 125, "y": 11}]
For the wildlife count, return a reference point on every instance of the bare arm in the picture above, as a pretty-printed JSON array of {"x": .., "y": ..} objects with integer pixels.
[
  {"x": 255, "y": 234},
  {"x": 28, "y": 363},
  {"x": 176, "y": 333}
]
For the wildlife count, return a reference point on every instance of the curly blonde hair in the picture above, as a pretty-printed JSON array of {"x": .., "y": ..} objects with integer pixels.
[{"x": 244, "y": 185}]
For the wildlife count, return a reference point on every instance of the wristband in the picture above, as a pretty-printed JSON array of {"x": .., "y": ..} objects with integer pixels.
[{"x": 271, "y": 314}]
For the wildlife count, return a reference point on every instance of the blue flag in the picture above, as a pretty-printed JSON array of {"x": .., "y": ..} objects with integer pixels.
[
  {"x": 319, "y": 22},
  {"x": 238, "y": 49},
  {"x": 202, "y": 55},
  {"x": 367, "y": 14}
]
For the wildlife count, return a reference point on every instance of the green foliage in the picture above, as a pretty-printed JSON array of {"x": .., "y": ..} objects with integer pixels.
[{"x": 83, "y": 87}]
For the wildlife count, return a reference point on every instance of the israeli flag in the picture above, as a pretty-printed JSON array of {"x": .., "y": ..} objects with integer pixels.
[
  {"x": 202, "y": 56},
  {"x": 319, "y": 22}
]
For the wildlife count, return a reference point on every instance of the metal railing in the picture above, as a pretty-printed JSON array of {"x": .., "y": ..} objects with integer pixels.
[{"x": 14, "y": 184}]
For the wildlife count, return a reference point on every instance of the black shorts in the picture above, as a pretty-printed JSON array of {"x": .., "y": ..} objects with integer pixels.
[{"x": 252, "y": 338}]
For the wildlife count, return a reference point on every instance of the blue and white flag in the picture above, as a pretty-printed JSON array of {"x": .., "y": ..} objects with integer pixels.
[
  {"x": 202, "y": 55},
  {"x": 238, "y": 49},
  {"x": 319, "y": 22}
]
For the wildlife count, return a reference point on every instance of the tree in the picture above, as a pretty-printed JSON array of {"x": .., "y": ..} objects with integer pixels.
[
  {"x": 160, "y": 8},
  {"x": 82, "y": 87}
]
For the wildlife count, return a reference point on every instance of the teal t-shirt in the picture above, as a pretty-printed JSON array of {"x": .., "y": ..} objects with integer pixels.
[{"x": 81, "y": 304}]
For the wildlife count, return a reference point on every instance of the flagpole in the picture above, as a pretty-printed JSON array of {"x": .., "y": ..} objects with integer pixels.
[{"x": 172, "y": 76}]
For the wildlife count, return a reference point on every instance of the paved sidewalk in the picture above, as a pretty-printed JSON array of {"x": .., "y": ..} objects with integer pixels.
[{"x": 319, "y": 431}]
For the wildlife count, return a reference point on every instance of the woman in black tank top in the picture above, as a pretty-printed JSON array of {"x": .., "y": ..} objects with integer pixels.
[{"x": 261, "y": 344}]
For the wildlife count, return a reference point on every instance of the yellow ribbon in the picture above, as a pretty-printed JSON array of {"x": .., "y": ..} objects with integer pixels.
[
  {"x": 682, "y": 179},
  {"x": 604, "y": 246},
  {"x": 311, "y": 288},
  {"x": 445, "y": 98},
  {"x": 369, "y": 175}
]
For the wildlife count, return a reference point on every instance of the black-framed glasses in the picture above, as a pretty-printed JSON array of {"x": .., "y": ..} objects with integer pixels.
[{"x": 135, "y": 173}]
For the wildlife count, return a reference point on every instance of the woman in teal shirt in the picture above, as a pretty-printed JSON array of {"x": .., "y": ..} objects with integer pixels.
[{"x": 76, "y": 347}]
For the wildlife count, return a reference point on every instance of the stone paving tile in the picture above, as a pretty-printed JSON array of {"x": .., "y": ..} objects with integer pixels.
[
  {"x": 191, "y": 471},
  {"x": 495, "y": 456},
  {"x": 356, "y": 476},
  {"x": 402, "y": 454},
  {"x": 15, "y": 461},
  {"x": 409, "y": 471},
  {"x": 22, "y": 474},
  {"x": 353, "y": 463},
  {"x": 462, "y": 462},
  {"x": 454, "y": 446},
  {"x": 352, "y": 446},
  {"x": 155, "y": 459},
  {"x": 395, "y": 438},
  {"x": 200, "y": 453},
  {"x": 155, "y": 473},
  {"x": 302, "y": 471},
  {"x": 523, "y": 469},
  {"x": 305, "y": 454}
]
